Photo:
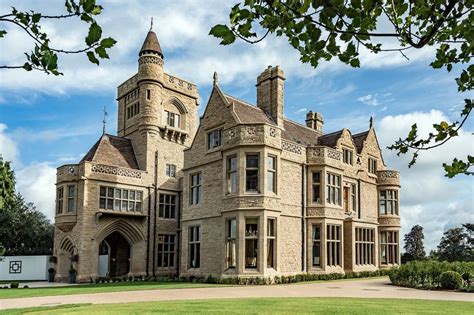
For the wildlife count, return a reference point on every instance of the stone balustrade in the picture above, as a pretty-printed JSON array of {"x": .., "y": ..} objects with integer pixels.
[
  {"x": 324, "y": 155},
  {"x": 388, "y": 177}
]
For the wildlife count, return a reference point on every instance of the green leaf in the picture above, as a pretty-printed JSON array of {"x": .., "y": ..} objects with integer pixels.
[
  {"x": 88, "y": 5},
  {"x": 219, "y": 30},
  {"x": 97, "y": 10},
  {"x": 101, "y": 52},
  {"x": 36, "y": 17},
  {"x": 355, "y": 63},
  {"x": 108, "y": 42},
  {"x": 2, "y": 33},
  {"x": 92, "y": 57},
  {"x": 27, "y": 66},
  {"x": 95, "y": 32}
]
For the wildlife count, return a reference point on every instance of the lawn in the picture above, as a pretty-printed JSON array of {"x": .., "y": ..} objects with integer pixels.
[
  {"x": 98, "y": 288},
  {"x": 267, "y": 306}
]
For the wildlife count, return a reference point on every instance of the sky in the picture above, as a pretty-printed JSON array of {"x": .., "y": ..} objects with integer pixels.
[{"x": 48, "y": 121}]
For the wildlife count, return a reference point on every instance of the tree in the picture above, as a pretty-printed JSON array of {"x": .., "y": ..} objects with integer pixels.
[
  {"x": 2, "y": 250},
  {"x": 24, "y": 229},
  {"x": 7, "y": 182},
  {"x": 321, "y": 30},
  {"x": 455, "y": 246},
  {"x": 44, "y": 56},
  {"x": 414, "y": 248}
]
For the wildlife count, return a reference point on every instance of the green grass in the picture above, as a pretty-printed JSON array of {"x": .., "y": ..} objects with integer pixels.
[
  {"x": 267, "y": 306},
  {"x": 98, "y": 288}
]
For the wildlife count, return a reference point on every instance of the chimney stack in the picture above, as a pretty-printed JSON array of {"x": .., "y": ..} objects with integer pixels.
[
  {"x": 314, "y": 121},
  {"x": 270, "y": 93}
]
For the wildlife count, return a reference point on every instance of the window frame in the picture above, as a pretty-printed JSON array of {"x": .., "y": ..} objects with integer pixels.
[
  {"x": 118, "y": 201},
  {"x": 171, "y": 170},
  {"x": 388, "y": 205},
  {"x": 172, "y": 119},
  {"x": 194, "y": 242},
  {"x": 390, "y": 242},
  {"x": 167, "y": 208},
  {"x": 254, "y": 239},
  {"x": 316, "y": 241},
  {"x": 333, "y": 189},
  {"x": 166, "y": 255},
  {"x": 348, "y": 156},
  {"x": 372, "y": 166},
  {"x": 215, "y": 137},
  {"x": 195, "y": 187},
  {"x": 231, "y": 244},
  {"x": 334, "y": 244},
  {"x": 271, "y": 239},
  {"x": 273, "y": 172},
  {"x": 364, "y": 243},
  {"x": 230, "y": 172},
  {"x": 252, "y": 169},
  {"x": 316, "y": 185},
  {"x": 70, "y": 198},
  {"x": 60, "y": 200}
]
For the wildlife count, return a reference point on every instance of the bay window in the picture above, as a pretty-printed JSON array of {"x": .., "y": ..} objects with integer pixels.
[
  {"x": 388, "y": 202},
  {"x": 317, "y": 187},
  {"x": 388, "y": 247},
  {"x": 231, "y": 252},
  {"x": 271, "y": 227},
  {"x": 333, "y": 189},
  {"x": 71, "y": 198},
  {"x": 251, "y": 172},
  {"x": 59, "y": 202},
  {"x": 271, "y": 173},
  {"x": 232, "y": 174},
  {"x": 316, "y": 245},
  {"x": 251, "y": 243}
]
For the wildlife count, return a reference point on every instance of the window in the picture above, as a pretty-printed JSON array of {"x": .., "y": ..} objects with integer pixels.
[
  {"x": 172, "y": 119},
  {"x": 251, "y": 243},
  {"x": 251, "y": 172},
  {"x": 345, "y": 191},
  {"x": 388, "y": 202},
  {"x": 353, "y": 197},
  {"x": 133, "y": 110},
  {"x": 59, "y": 204},
  {"x": 317, "y": 245},
  {"x": 364, "y": 246},
  {"x": 388, "y": 247},
  {"x": 333, "y": 190},
  {"x": 232, "y": 174},
  {"x": 166, "y": 250},
  {"x": 317, "y": 187},
  {"x": 170, "y": 170},
  {"x": 71, "y": 198},
  {"x": 271, "y": 227},
  {"x": 196, "y": 188},
  {"x": 148, "y": 94},
  {"x": 347, "y": 156},
  {"x": 231, "y": 254},
  {"x": 167, "y": 206},
  {"x": 120, "y": 199},
  {"x": 333, "y": 242},
  {"x": 194, "y": 247},
  {"x": 372, "y": 166},
  {"x": 214, "y": 139},
  {"x": 271, "y": 173}
]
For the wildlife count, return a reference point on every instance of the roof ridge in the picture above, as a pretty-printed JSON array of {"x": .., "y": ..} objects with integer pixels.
[
  {"x": 242, "y": 101},
  {"x": 360, "y": 133},
  {"x": 332, "y": 133}
]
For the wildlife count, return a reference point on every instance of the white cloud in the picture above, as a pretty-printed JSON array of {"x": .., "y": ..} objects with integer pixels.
[
  {"x": 427, "y": 197},
  {"x": 301, "y": 110},
  {"x": 8, "y": 148},
  {"x": 370, "y": 99}
]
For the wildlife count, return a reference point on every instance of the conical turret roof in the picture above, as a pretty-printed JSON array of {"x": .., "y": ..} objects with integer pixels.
[{"x": 151, "y": 44}]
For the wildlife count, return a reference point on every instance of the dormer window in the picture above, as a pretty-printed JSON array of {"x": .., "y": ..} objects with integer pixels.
[
  {"x": 347, "y": 156},
  {"x": 215, "y": 138},
  {"x": 372, "y": 166},
  {"x": 172, "y": 119}
]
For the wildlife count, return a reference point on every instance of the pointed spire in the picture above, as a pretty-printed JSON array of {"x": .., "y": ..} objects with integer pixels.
[
  {"x": 151, "y": 43},
  {"x": 371, "y": 122},
  {"x": 215, "y": 77}
]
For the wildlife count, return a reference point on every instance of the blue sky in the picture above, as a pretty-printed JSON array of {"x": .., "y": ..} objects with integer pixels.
[{"x": 47, "y": 121}]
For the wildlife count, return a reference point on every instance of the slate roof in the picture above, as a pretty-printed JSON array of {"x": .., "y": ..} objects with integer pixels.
[
  {"x": 359, "y": 140},
  {"x": 151, "y": 43},
  {"x": 330, "y": 139},
  {"x": 113, "y": 151},
  {"x": 299, "y": 133}
]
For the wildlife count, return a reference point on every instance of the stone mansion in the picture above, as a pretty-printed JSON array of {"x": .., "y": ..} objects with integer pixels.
[{"x": 241, "y": 191}]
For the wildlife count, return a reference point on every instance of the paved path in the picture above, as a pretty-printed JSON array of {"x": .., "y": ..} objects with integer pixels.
[{"x": 370, "y": 288}]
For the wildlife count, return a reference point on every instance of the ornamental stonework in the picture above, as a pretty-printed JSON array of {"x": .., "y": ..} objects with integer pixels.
[
  {"x": 150, "y": 59},
  {"x": 112, "y": 170},
  {"x": 291, "y": 147}
]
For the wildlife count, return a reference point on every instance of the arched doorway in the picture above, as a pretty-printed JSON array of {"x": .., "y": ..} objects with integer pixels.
[{"x": 117, "y": 248}]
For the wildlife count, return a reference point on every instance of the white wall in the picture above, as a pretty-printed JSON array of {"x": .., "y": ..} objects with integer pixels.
[{"x": 32, "y": 268}]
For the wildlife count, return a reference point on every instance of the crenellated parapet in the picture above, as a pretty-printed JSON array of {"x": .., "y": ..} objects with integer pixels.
[{"x": 180, "y": 85}]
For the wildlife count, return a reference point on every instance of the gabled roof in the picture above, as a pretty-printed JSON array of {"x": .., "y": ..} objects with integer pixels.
[
  {"x": 113, "y": 151},
  {"x": 247, "y": 113},
  {"x": 151, "y": 44},
  {"x": 330, "y": 139},
  {"x": 300, "y": 134},
  {"x": 359, "y": 140}
]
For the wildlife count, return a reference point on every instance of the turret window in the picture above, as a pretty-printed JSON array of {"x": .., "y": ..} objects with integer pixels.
[
  {"x": 388, "y": 202},
  {"x": 148, "y": 94},
  {"x": 172, "y": 119}
]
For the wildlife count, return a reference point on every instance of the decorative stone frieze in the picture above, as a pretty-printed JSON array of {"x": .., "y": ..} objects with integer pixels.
[
  {"x": 113, "y": 170},
  {"x": 388, "y": 177},
  {"x": 291, "y": 147},
  {"x": 389, "y": 221}
]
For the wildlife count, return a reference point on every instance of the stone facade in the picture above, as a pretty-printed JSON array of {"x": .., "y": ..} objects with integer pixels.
[{"x": 249, "y": 193}]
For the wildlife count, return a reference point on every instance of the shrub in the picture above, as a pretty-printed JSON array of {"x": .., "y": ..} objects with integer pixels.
[
  {"x": 14, "y": 285},
  {"x": 451, "y": 280},
  {"x": 427, "y": 274}
]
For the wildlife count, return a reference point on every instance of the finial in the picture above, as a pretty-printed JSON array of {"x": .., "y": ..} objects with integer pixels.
[
  {"x": 215, "y": 77},
  {"x": 151, "y": 24},
  {"x": 104, "y": 122},
  {"x": 371, "y": 121}
]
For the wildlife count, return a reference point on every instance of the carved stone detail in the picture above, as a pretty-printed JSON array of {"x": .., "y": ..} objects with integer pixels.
[
  {"x": 333, "y": 154},
  {"x": 272, "y": 132},
  {"x": 291, "y": 147},
  {"x": 150, "y": 59},
  {"x": 113, "y": 170}
]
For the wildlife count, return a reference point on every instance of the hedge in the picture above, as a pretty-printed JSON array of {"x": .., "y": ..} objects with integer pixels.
[
  {"x": 427, "y": 274},
  {"x": 250, "y": 280}
]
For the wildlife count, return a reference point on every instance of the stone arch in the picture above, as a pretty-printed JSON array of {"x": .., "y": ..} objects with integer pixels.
[
  {"x": 129, "y": 231},
  {"x": 178, "y": 104},
  {"x": 67, "y": 245}
]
